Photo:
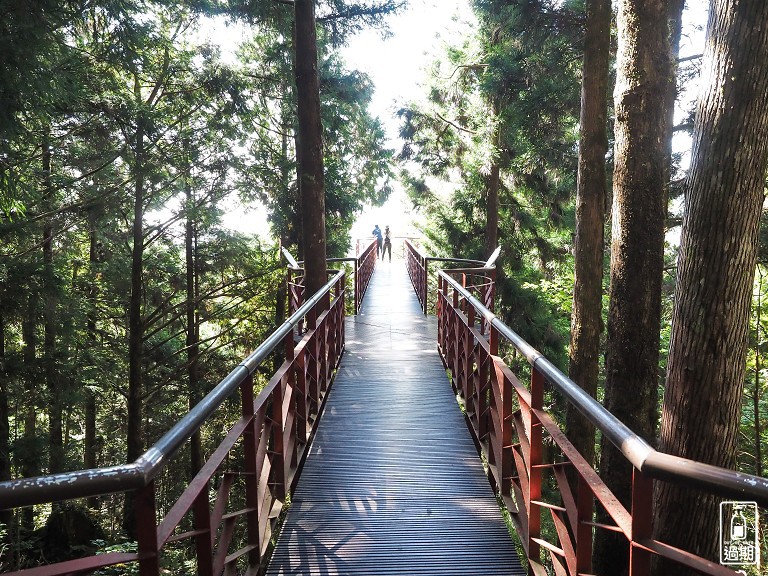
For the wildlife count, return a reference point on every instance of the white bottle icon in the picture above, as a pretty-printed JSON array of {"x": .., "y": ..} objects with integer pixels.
[{"x": 738, "y": 524}]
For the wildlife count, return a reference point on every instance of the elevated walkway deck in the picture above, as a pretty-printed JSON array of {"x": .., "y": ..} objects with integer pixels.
[{"x": 393, "y": 483}]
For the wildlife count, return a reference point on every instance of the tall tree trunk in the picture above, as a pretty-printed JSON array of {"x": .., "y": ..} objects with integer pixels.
[
  {"x": 287, "y": 232},
  {"x": 30, "y": 459},
  {"x": 89, "y": 448},
  {"x": 281, "y": 305},
  {"x": 675, "y": 18},
  {"x": 309, "y": 152},
  {"x": 54, "y": 404},
  {"x": 290, "y": 223},
  {"x": 5, "y": 437},
  {"x": 193, "y": 334},
  {"x": 591, "y": 201},
  {"x": 493, "y": 184},
  {"x": 135, "y": 324},
  {"x": 135, "y": 436},
  {"x": 716, "y": 266},
  {"x": 758, "y": 366},
  {"x": 6, "y": 516},
  {"x": 637, "y": 246}
]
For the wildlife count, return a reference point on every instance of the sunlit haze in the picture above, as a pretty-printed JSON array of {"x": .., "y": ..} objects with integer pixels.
[{"x": 397, "y": 66}]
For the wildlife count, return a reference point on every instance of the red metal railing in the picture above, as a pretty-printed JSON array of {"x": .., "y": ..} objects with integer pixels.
[
  {"x": 364, "y": 264},
  {"x": 416, "y": 264},
  {"x": 510, "y": 424},
  {"x": 270, "y": 439},
  {"x": 479, "y": 277}
]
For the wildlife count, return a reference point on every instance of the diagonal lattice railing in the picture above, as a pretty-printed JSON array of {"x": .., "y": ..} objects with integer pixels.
[
  {"x": 529, "y": 456},
  {"x": 228, "y": 511},
  {"x": 475, "y": 275},
  {"x": 362, "y": 269}
]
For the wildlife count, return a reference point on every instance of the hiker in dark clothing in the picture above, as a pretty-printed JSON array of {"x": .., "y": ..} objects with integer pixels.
[
  {"x": 387, "y": 244},
  {"x": 379, "y": 240}
]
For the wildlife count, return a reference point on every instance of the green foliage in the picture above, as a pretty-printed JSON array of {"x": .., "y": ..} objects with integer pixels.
[
  {"x": 752, "y": 457},
  {"x": 90, "y": 83},
  {"x": 120, "y": 548},
  {"x": 357, "y": 164},
  {"x": 507, "y": 96}
]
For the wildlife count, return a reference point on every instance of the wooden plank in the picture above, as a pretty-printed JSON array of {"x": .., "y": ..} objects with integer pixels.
[{"x": 393, "y": 483}]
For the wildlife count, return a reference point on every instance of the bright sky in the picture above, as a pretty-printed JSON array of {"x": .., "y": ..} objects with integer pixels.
[{"x": 397, "y": 67}]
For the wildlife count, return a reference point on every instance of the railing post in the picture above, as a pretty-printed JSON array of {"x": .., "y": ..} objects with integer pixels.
[
  {"x": 322, "y": 350},
  {"x": 357, "y": 286},
  {"x": 642, "y": 523},
  {"x": 534, "y": 467},
  {"x": 425, "y": 288},
  {"x": 202, "y": 521},
  {"x": 439, "y": 310},
  {"x": 278, "y": 448},
  {"x": 584, "y": 508},
  {"x": 506, "y": 412},
  {"x": 493, "y": 340},
  {"x": 489, "y": 294},
  {"x": 466, "y": 307},
  {"x": 311, "y": 361},
  {"x": 492, "y": 300},
  {"x": 301, "y": 390},
  {"x": 339, "y": 336},
  {"x": 145, "y": 511},
  {"x": 470, "y": 396},
  {"x": 289, "y": 291},
  {"x": 250, "y": 449}
]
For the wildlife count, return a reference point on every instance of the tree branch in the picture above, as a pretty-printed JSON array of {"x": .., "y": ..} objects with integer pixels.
[
  {"x": 467, "y": 66},
  {"x": 357, "y": 11},
  {"x": 467, "y": 130},
  {"x": 689, "y": 58}
]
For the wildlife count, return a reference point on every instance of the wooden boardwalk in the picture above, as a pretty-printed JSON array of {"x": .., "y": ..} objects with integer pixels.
[{"x": 393, "y": 484}]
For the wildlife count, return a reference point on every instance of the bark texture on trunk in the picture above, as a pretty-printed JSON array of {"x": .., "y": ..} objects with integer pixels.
[
  {"x": 5, "y": 429},
  {"x": 675, "y": 15},
  {"x": 492, "y": 209},
  {"x": 757, "y": 421},
  {"x": 716, "y": 266},
  {"x": 52, "y": 383},
  {"x": 135, "y": 323},
  {"x": 310, "y": 147},
  {"x": 89, "y": 442},
  {"x": 29, "y": 460},
  {"x": 135, "y": 434},
  {"x": 591, "y": 197},
  {"x": 6, "y": 516},
  {"x": 493, "y": 184},
  {"x": 637, "y": 246},
  {"x": 193, "y": 331}
]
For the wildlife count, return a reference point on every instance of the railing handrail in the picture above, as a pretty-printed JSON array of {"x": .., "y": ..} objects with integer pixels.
[
  {"x": 418, "y": 270},
  {"x": 475, "y": 264},
  {"x": 363, "y": 269},
  {"x": 480, "y": 263},
  {"x": 299, "y": 265},
  {"x": 138, "y": 474},
  {"x": 637, "y": 451}
]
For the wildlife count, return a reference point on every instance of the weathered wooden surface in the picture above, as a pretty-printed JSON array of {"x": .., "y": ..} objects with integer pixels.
[{"x": 393, "y": 483}]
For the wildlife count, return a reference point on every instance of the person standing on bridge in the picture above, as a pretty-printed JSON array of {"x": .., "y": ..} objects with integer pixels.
[
  {"x": 379, "y": 240},
  {"x": 387, "y": 244}
]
